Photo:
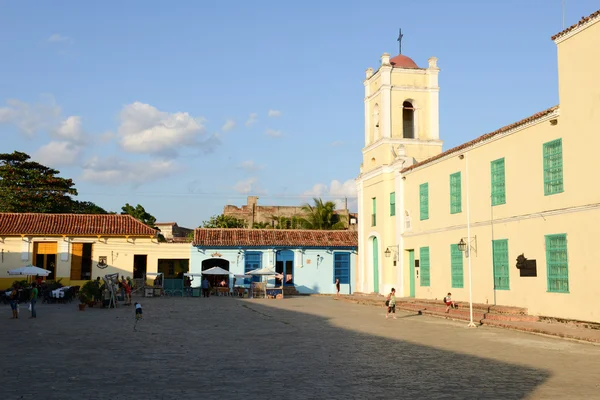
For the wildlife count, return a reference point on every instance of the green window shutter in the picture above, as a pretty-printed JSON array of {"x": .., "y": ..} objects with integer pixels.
[
  {"x": 424, "y": 264},
  {"x": 500, "y": 260},
  {"x": 455, "y": 193},
  {"x": 456, "y": 262},
  {"x": 557, "y": 266},
  {"x": 553, "y": 167},
  {"x": 424, "y": 201},
  {"x": 392, "y": 204},
  {"x": 498, "y": 182},
  {"x": 374, "y": 214}
]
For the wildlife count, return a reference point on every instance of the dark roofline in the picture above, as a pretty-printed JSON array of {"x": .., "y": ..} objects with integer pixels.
[
  {"x": 583, "y": 21},
  {"x": 481, "y": 138}
]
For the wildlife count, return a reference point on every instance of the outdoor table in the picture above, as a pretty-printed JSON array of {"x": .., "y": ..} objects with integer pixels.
[{"x": 60, "y": 292}]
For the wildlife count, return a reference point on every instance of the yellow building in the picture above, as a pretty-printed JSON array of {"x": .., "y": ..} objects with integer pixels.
[
  {"x": 76, "y": 247},
  {"x": 522, "y": 190}
]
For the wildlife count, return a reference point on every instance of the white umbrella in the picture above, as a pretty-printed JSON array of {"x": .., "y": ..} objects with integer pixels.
[
  {"x": 216, "y": 271},
  {"x": 262, "y": 271},
  {"x": 29, "y": 270}
]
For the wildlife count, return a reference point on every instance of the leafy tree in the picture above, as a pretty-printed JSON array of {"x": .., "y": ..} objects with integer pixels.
[
  {"x": 224, "y": 221},
  {"x": 261, "y": 225},
  {"x": 322, "y": 215},
  {"x": 27, "y": 186},
  {"x": 138, "y": 212}
]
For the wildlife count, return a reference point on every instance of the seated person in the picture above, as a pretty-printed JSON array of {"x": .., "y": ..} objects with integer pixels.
[
  {"x": 223, "y": 283},
  {"x": 449, "y": 303}
]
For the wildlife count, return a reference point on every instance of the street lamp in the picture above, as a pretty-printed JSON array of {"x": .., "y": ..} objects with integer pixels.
[
  {"x": 467, "y": 247},
  {"x": 395, "y": 249}
]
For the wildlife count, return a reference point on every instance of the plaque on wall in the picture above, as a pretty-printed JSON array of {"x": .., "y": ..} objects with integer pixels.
[{"x": 526, "y": 267}]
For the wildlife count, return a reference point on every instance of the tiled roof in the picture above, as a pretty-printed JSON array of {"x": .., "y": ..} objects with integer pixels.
[
  {"x": 483, "y": 137},
  {"x": 401, "y": 61},
  {"x": 72, "y": 225},
  {"x": 205, "y": 237},
  {"x": 583, "y": 21}
]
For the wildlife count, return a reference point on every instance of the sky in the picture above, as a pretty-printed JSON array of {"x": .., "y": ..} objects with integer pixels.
[{"x": 186, "y": 106}]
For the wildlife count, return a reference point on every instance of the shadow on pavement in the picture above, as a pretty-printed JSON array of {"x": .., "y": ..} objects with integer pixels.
[{"x": 221, "y": 348}]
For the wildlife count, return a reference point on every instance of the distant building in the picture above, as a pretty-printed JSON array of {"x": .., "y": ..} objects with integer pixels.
[
  {"x": 253, "y": 213},
  {"x": 173, "y": 232}
]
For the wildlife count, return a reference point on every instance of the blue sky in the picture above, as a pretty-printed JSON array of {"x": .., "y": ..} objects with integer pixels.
[{"x": 185, "y": 106}]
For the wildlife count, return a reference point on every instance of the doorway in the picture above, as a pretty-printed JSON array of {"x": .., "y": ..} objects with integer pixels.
[
  {"x": 45, "y": 257},
  {"x": 140, "y": 265},
  {"x": 375, "y": 265},
  {"x": 215, "y": 280},
  {"x": 81, "y": 261},
  {"x": 411, "y": 270},
  {"x": 284, "y": 265}
]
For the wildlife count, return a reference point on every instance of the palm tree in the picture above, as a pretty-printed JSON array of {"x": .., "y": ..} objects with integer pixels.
[
  {"x": 261, "y": 225},
  {"x": 322, "y": 215},
  {"x": 282, "y": 222}
]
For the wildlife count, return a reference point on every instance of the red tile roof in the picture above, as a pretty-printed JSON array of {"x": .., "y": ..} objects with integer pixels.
[
  {"x": 584, "y": 20},
  {"x": 72, "y": 225},
  {"x": 483, "y": 137},
  {"x": 274, "y": 237},
  {"x": 401, "y": 61}
]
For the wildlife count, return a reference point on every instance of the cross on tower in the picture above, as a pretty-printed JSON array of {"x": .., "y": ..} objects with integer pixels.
[{"x": 400, "y": 35}]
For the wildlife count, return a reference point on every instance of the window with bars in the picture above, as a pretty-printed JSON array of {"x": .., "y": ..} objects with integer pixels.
[
  {"x": 498, "y": 182},
  {"x": 553, "y": 167},
  {"x": 500, "y": 260},
  {"x": 374, "y": 212},
  {"x": 455, "y": 193},
  {"x": 341, "y": 268},
  {"x": 557, "y": 266},
  {"x": 456, "y": 263},
  {"x": 392, "y": 204},
  {"x": 425, "y": 268},
  {"x": 424, "y": 201},
  {"x": 253, "y": 260}
]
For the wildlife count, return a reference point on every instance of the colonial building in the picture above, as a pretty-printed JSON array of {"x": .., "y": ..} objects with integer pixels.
[
  {"x": 76, "y": 247},
  {"x": 517, "y": 201},
  {"x": 272, "y": 216},
  {"x": 310, "y": 261},
  {"x": 173, "y": 232}
]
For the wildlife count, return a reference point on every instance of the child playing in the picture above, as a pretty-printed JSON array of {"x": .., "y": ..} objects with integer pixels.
[
  {"x": 391, "y": 303},
  {"x": 138, "y": 314}
]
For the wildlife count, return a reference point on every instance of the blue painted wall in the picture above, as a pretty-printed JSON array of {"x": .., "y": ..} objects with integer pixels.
[{"x": 313, "y": 270}]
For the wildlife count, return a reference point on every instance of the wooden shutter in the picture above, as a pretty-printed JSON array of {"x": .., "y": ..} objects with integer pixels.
[{"x": 76, "y": 260}]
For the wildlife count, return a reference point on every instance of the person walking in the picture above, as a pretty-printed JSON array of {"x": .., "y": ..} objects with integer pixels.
[
  {"x": 337, "y": 287},
  {"x": 391, "y": 303},
  {"x": 205, "y": 288},
  {"x": 14, "y": 302},
  {"x": 33, "y": 300}
]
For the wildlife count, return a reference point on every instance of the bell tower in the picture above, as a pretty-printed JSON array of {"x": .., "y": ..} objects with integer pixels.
[{"x": 401, "y": 112}]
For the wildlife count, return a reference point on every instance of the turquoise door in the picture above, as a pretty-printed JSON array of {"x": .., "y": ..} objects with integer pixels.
[
  {"x": 411, "y": 270},
  {"x": 375, "y": 266}
]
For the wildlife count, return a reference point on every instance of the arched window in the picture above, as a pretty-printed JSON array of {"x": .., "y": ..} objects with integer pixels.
[{"x": 408, "y": 120}]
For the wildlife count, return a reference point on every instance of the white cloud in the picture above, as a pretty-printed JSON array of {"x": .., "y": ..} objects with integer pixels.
[
  {"x": 273, "y": 133},
  {"x": 247, "y": 186},
  {"x": 337, "y": 192},
  {"x": 274, "y": 113},
  {"x": 56, "y": 154},
  {"x": 106, "y": 137},
  {"x": 250, "y": 166},
  {"x": 337, "y": 143},
  {"x": 114, "y": 170},
  {"x": 228, "y": 125},
  {"x": 145, "y": 129},
  {"x": 58, "y": 38},
  {"x": 31, "y": 118},
  {"x": 252, "y": 119},
  {"x": 70, "y": 129}
]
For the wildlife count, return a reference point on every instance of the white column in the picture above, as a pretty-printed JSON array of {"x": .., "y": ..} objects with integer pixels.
[
  {"x": 385, "y": 110},
  {"x": 399, "y": 188},
  {"x": 359, "y": 283}
]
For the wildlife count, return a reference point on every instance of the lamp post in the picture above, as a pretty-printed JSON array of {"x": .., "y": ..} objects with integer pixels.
[
  {"x": 388, "y": 252},
  {"x": 465, "y": 248}
]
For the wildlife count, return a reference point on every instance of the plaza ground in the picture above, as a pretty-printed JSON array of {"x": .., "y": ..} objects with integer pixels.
[{"x": 296, "y": 348}]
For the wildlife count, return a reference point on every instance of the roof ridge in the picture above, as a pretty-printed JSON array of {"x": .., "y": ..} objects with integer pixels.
[
  {"x": 485, "y": 136},
  {"x": 583, "y": 21}
]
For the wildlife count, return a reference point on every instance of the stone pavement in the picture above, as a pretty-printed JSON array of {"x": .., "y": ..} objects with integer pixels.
[
  {"x": 296, "y": 348},
  {"x": 575, "y": 331}
]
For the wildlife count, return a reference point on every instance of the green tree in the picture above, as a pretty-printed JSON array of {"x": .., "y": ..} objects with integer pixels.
[
  {"x": 138, "y": 212},
  {"x": 27, "y": 186},
  {"x": 322, "y": 215},
  {"x": 261, "y": 225},
  {"x": 87, "y": 207},
  {"x": 224, "y": 221},
  {"x": 293, "y": 222}
]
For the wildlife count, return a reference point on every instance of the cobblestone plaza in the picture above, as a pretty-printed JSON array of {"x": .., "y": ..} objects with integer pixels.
[{"x": 296, "y": 348}]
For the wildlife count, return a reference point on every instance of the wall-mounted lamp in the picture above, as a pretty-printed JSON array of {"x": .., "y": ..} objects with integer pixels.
[
  {"x": 466, "y": 247},
  {"x": 240, "y": 254},
  {"x": 320, "y": 259},
  {"x": 395, "y": 249}
]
